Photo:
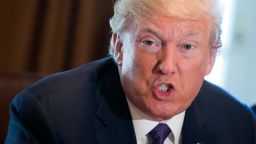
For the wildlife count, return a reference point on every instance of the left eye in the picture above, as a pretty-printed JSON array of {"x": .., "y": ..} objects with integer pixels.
[{"x": 187, "y": 46}]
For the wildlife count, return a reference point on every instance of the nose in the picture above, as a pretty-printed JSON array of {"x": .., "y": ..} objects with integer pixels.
[{"x": 168, "y": 61}]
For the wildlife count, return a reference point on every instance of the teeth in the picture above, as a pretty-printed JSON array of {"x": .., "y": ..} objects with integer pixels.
[{"x": 163, "y": 87}]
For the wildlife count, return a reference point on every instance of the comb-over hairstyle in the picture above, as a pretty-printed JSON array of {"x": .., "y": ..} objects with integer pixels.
[{"x": 139, "y": 10}]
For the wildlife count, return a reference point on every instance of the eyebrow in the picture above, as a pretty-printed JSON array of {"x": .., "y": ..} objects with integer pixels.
[
  {"x": 152, "y": 31},
  {"x": 186, "y": 33}
]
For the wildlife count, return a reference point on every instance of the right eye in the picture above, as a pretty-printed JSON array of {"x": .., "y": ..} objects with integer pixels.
[{"x": 148, "y": 42}]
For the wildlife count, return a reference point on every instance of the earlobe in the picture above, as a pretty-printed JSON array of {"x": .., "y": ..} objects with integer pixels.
[{"x": 118, "y": 48}]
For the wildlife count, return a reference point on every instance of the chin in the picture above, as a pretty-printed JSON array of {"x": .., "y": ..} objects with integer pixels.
[
  {"x": 162, "y": 117},
  {"x": 165, "y": 112},
  {"x": 159, "y": 116}
]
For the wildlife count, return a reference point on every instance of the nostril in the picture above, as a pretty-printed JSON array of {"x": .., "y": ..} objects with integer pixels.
[{"x": 160, "y": 68}]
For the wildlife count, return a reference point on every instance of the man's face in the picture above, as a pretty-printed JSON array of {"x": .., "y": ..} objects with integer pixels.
[{"x": 162, "y": 63}]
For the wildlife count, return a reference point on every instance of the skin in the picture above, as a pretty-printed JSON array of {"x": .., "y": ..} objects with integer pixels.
[{"x": 164, "y": 50}]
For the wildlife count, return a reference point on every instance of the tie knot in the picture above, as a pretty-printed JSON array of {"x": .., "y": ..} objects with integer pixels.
[{"x": 159, "y": 133}]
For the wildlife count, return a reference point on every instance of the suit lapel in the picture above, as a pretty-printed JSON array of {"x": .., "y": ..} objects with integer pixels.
[
  {"x": 113, "y": 129},
  {"x": 195, "y": 129},
  {"x": 113, "y": 124}
]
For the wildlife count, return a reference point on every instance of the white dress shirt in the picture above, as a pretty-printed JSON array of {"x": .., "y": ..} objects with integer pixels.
[{"x": 143, "y": 124}]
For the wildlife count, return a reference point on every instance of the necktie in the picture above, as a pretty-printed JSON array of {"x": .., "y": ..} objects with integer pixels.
[{"x": 159, "y": 133}]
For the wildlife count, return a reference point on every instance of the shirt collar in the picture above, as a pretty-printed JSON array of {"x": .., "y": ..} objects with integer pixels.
[{"x": 144, "y": 124}]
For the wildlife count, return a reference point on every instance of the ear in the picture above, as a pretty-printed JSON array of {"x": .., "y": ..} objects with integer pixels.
[
  {"x": 211, "y": 61},
  {"x": 118, "y": 48}
]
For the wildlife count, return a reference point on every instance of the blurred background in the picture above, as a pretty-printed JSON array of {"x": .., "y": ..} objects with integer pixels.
[
  {"x": 45, "y": 36},
  {"x": 235, "y": 68}
]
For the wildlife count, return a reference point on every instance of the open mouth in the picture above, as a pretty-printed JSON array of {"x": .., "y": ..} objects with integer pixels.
[
  {"x": 165, "y": 87},
  {"x": 163, "y": 90}
]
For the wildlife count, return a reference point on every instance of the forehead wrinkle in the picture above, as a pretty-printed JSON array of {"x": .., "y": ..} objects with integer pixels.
[
  {"x": 194, "y": 32},
  {"x": 150, "y": 28},
  {"x": 174, "y": 31},
  {"x": 191, "y": 30},
  {"x": 152, "y": 31}
]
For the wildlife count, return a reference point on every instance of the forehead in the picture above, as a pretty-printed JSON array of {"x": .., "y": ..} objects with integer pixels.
[{"x": 166, "y": 26}]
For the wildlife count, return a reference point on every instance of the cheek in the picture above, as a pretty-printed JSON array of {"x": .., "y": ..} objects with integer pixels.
[
  {"x": 192, "y": 74},
  {"x": 139, "y": 72},
  {"x": 144, "y": 62},
  {"x": 133, "y": 67},
  {"x": 128, "y": 60},
  {"x": 196, "y": 67}
]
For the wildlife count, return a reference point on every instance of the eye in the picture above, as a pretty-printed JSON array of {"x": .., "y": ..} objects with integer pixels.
[
  {"x": 187, "y": 46},
  {"x": 148, "y": 42}
]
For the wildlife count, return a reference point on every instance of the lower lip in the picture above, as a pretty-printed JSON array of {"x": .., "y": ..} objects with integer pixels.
[{"x": 162, "y": 95}]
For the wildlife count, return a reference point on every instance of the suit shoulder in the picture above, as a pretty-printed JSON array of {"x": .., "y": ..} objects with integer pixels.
[
  {"x": 85, "y": 75},
  {"x": 218, "y": 100}
]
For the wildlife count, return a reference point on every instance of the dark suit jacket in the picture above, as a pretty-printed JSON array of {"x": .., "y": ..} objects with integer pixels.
[
  {"x": 254, "y": 108},
  {"x": 87, "y": 105}
]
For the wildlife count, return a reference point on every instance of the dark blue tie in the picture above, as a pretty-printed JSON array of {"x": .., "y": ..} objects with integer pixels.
[{"x": 159, "y": 133}]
